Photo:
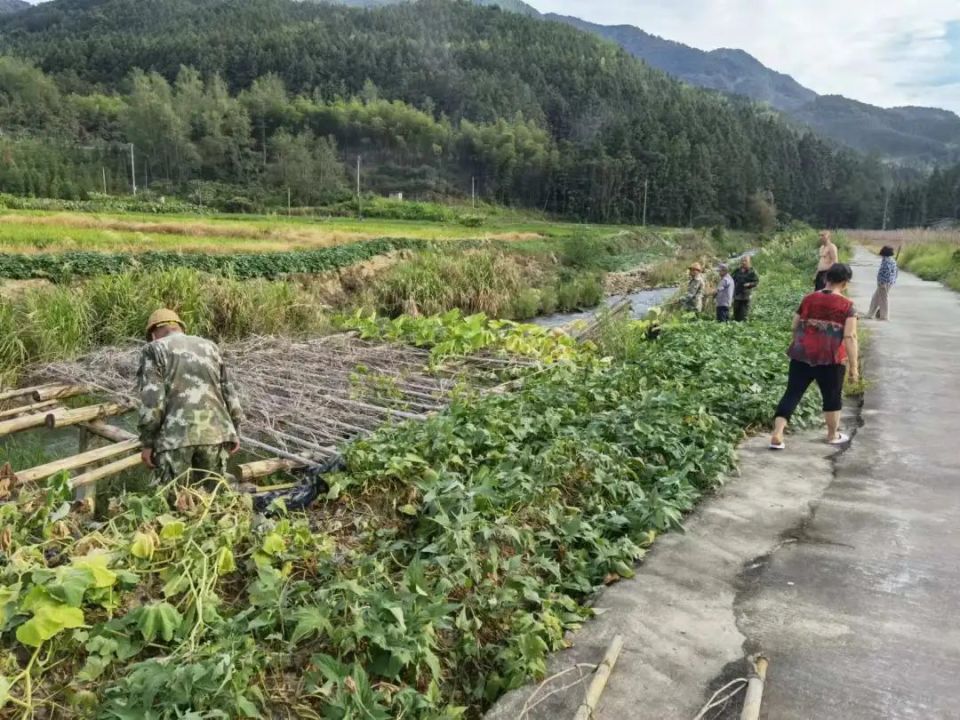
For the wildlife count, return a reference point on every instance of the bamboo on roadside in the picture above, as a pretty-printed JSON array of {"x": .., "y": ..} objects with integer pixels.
[
  {"x": 77, "y": 461},
  {"x": 26, "y": 409},
  {"x": 66, "y": 418},
  {"x": 114, "y": 468},
  {"x": 58, "y": 392},
  {"x": 754, "y": 698},
  {"x": 600, "y": 677}
]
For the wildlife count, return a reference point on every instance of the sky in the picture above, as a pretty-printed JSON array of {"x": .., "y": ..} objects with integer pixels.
[{"x": 884, "y": 52}]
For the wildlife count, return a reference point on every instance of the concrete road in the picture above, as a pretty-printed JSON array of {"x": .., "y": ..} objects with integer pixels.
[
  {"x": 843, "y": 569},
  {"x": 860, "y": 617}
]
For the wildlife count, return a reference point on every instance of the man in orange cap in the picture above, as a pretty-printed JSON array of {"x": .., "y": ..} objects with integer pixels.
[
  {"x": 190, "y": 413},
  {"x": 693, "y": 300}
]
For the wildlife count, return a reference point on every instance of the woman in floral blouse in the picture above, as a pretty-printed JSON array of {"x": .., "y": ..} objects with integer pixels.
[{"x": 886, "y": 278}]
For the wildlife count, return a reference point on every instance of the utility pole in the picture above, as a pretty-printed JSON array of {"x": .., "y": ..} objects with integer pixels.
[
  {"x": 289, "y": 206},
  {"x": 473, "y": 191},
  {"x": 646, "y": 185},
  {"x": 103, "y": 171},
  {"x": 133, "y": 171},
  {"x": 359, "y": 201},
  {"x": 886, "y": 206}
]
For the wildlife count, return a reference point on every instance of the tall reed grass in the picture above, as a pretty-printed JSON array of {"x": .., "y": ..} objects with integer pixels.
[{"x": 54, "y": 323}]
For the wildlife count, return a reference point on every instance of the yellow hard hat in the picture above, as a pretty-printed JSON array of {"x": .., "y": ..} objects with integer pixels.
[{"x": 163, "y": 317}]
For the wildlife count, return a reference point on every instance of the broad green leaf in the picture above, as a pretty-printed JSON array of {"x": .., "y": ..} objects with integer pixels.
[
  {"x": 158, "y": 620},
  {"x": 173, "y": 530},
  {"x": 274, "y": 544},
  {"x": 96, "y": 562},
  {"x": 225, "y": 561},
  {"x": 142, "y": 546},
  {"x": 310, "y": 620},
  {"x": 9, "y": 594},
  {"x": 70, "y": 585},
  {"x": 397, "y": 612},
  {"x": 48, "y": 620}
]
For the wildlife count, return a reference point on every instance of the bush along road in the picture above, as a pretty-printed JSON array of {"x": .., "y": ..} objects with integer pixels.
[{"x": 447, "y": 561}]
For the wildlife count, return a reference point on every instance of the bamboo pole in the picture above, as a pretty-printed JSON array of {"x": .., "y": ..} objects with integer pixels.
[
  {"x": 264, "y": 468},
  {"x": 114, "y": 468},
  {"x": 27, "y": 422},
  {"x": 18, "y": 393},
  {"x": 107, "y": 432},
  {"x": 277, "y": 451},
  {"x": 58, "y": 392},
  {"x": 600, "y": 677},
  {"x": 66, "y": 418},
  {"x": 13, "y": 412},
  {"x": 77, "y": 461},
  {"x": 751, "y": 703}
]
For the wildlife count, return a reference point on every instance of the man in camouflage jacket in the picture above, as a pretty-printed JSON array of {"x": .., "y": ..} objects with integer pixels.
[{"x": 190, "y": 413}]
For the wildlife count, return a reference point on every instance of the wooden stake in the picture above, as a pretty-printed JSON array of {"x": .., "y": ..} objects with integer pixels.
[
  {"x": 108, "y": 432},
  {"x": 114, "y": 468},
  {"x": 19, "y": 424},
  {"x": 600, "y": 677},
  {"x": 66, "y": 418},
  {"x": 58, "y": 392},
  {"x": 77, "y": 461},
  {"x": 11, "y": 394},
  {"x": 36, "y": 407}
]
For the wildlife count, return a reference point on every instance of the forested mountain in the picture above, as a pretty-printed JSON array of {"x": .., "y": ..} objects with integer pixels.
[
  {"x": 516, "y": 6},
  {"x": 11, "y": 6},
  {"x": 730, "y": 71},
  {"x": 257, "y": 96},
  {"x": 914, "y": 136}
]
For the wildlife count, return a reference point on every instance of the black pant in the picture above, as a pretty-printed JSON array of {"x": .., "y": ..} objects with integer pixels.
[
  {"x": 829, "y": 379},
  {"x": 820, "y": 282},
  {"x": 741, "y": 309},
  {"x": 723, "y": 314}
]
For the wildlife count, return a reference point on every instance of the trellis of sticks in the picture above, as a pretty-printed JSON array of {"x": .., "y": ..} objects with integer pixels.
[{"x": 302, "y": 398}]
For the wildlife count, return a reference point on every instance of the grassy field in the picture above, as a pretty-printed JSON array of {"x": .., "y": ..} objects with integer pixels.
[
  {"x": 930, "y": 254},
  {"x": 36, "y": 231}
]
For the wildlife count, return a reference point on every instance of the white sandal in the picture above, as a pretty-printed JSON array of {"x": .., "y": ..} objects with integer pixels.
[{"x": 840, "y": 439}]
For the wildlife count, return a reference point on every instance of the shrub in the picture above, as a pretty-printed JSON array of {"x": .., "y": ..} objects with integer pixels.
[
  {"x": 471, "y": 220},
  {"x": 526, "y": 304}
]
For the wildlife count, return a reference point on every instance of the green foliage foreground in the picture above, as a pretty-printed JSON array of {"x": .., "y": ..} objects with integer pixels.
[{"x": 447, "y": 562}]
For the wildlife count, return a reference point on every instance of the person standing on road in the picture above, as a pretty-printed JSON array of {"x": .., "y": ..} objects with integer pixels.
[
  {"x": 724, "y": 294},
  {"x": 829, "y": 256},
  {"x": 745, "y": 279},
  {"x": 886, "y": 279},
  {"x": 693, "y": 300},
  {"x": 190, "y": 413},
  {"x": 823, "y": 350}
]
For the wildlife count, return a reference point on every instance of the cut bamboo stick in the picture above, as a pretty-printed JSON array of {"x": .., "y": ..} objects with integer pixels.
[
  {"x": 600, "y": 677},
  {"x": 264, "y": 468},
  {"x": 114, "y": 468},
  {"x": 77, "y": 461},
  {"x": 58, "y": 392},
  {"x": 26, "y": 409},
  {"x": 27, "y": 422},
  {"x": 21, "y": 392},
  {"x": 66, "y": 418},
  {"x": 751, "y": 703},
  {"x": 107, "y": 432}
]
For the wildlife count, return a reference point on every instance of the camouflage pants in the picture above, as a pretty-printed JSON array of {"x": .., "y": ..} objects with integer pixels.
[{"x": 191, "y": 465}]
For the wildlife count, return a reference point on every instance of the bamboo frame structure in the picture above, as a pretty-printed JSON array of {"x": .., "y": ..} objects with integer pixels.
[{"x": 302, "y": 398}]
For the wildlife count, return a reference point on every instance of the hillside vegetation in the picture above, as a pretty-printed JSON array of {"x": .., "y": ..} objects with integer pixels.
[{"x": 255, "y": 97}]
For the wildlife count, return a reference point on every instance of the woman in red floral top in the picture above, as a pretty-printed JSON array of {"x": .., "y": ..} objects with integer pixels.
[{"x": 824, "y": 346}]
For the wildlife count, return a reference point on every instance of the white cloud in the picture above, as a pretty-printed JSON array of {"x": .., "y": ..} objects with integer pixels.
[{"x": 885, "y": 52}]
